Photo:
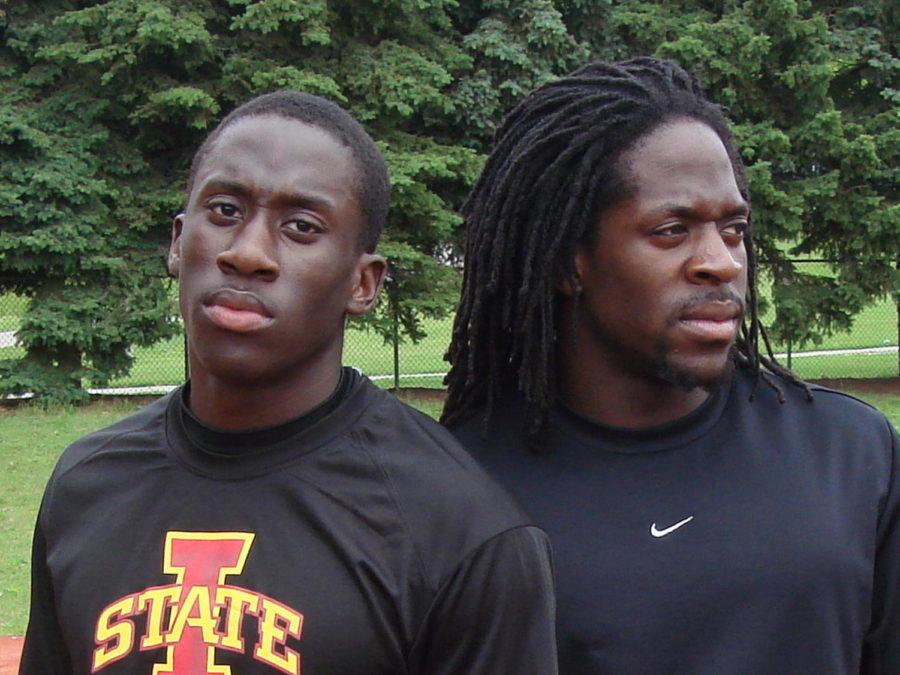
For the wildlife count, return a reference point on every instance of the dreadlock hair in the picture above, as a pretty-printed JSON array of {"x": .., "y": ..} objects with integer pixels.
[
  {"x": 553, "y": 169},
  {"x": 372, "y": 186}
]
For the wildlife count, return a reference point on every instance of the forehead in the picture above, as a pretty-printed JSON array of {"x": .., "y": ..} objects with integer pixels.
[
  {"x": 681, "y": 161},
  {"x": 275, "y": 154}
]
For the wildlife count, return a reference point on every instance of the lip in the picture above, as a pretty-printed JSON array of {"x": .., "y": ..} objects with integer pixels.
[
  {"x": 236, "y": 311},
  {"x": 713, "y": 321}
]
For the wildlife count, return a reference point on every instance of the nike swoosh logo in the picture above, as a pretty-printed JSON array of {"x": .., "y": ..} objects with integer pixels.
[{"x": 662, "y": 533}]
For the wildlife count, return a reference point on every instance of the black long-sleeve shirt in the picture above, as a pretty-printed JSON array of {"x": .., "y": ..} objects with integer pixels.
[
  {"x": 364, "y": 541},
  {"x": 748, "y": 537}
]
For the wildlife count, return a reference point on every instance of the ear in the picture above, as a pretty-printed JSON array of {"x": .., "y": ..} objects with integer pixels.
[
  {"x": 368, "y": 277},
  {"x": 173, "y": 262},
  {"x": 564, "y": 284}
]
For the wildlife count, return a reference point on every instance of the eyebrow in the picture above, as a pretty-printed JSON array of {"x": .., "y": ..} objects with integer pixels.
[
  {"x": 301, "y": 199},
  {"x": 741, "y": 209}
]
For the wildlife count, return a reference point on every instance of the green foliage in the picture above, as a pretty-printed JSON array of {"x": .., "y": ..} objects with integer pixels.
[
  {"x": 514, "y": 46},
  {"x": 269, "y": 16},
  {"x": 69, "y": 239},
  {"x": 103, "y": 102},
  {"x": 811, "y": 89}
]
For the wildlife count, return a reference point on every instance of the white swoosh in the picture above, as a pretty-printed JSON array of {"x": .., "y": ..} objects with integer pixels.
[{"x": 662, "y": 533}]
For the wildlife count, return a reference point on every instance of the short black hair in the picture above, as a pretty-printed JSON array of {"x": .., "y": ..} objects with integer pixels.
[
  {"x": 373, "y": 187},
  {"x": 554, "y": 168}
]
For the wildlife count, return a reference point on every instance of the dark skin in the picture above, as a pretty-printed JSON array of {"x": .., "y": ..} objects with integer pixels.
[
  {"x": 270, "y": 263},
  {"x": 662, "y": 284}
]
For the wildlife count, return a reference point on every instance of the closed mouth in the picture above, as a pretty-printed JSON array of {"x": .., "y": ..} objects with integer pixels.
[
  {"x": 713, "y": 321},
  {"x": 713, "y": 311},
  {"x": 237, "y": 311}
]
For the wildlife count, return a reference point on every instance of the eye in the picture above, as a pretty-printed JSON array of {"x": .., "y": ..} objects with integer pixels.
[
  {"x": 670, "y": 231},
  {"x": 734, "y": 231},
  {"x": 304, "y": 226},
  {"x": 225, "y": 209}
]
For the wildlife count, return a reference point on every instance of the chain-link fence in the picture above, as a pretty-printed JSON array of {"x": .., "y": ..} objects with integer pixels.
[{"x": 868, "y": 350}]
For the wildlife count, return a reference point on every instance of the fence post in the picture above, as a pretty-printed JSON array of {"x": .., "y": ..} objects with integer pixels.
[
  {"x": 187, "y": 363},
  {"x": 789, "y": 353},
  {"x": 396, "y": 340}
]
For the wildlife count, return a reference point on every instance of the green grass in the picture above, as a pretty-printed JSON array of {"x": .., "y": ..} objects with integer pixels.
[
  {"x": 163, "y": 363},
  {"x": 856, "y": 366},
  {"x": 874, "y": 326},
  {"x": 11, "y": 353},
  {"x": 32, "y": 441},
  {"x": 431, "y": 406}
]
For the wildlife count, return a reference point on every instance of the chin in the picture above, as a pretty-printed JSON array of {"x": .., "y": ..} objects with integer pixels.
[
  {"x": 706, "y": 373},
  {"x": 238, "y": 369}
]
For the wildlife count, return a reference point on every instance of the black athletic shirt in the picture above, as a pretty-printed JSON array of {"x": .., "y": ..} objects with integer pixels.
[
  {"x": 362, "y": 542},
  {"x": 744, "y": 538}
]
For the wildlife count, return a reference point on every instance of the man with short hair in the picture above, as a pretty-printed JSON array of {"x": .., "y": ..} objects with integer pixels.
[
  {"x": 709, "y": 512},
  {"x": 279, "y": 513}
]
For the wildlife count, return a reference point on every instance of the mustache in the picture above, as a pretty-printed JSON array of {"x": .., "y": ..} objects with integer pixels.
[{"x": 716, "y": 295}]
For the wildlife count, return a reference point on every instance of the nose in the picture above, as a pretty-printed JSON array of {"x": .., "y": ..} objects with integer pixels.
[
  {"x": 251, "y": 251},
  {"x": 714, "y": 261}
]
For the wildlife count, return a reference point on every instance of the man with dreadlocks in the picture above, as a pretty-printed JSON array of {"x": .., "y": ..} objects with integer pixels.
[{"x": 709, "y": 512}]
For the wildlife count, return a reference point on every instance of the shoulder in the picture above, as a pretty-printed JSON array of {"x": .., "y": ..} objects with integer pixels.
[
  {"x": 833, "y": 431},
  {"x": 844, "y": 404},
  {"x": 129, "y": 433},
  {"x": 447, "y": 500},
  {"x": 826, "y": 411},
  {"x": 848, "y": 417},
  {"x": 422, "y": 458},
  {"x": 501, "y": 442}
]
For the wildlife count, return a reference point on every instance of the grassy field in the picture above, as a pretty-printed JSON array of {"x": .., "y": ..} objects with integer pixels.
[
  {"x": 32, "y": 441},
  {"x": 163, "y": 363},
  {"x": 874, "y": 326}
]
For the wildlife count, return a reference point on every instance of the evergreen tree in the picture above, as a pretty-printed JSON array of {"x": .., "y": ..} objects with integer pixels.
[
  {"x": 811, "y": 89},
  {"x": 103, "y": 102}
]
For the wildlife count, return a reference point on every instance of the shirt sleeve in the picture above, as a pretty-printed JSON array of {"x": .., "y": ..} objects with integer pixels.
[
  {"x": 495, "y": 614},
  {"x": 881, "y": 649},
  {"x": 44, "y": 650}
]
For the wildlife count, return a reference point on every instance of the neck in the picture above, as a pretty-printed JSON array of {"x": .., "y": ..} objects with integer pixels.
[
  {"x": 632, "y": 403},
  {"x": 235, "y": 404},
  {"x": 601, "y": 387}
]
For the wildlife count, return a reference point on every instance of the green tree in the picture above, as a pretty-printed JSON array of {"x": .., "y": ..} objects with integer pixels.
[
  {"x": 74, "y": 223},
  {"x": 811, "y": 89},
  {"x": 105, "y": 101}
]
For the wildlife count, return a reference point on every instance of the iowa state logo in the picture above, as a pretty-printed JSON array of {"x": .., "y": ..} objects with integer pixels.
[{"x": 200, "y": 613}]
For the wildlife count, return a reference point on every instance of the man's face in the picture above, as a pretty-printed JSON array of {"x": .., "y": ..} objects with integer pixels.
[
  {"x": 664, "y": 280},
  {"x": 267, "y": 252}
]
